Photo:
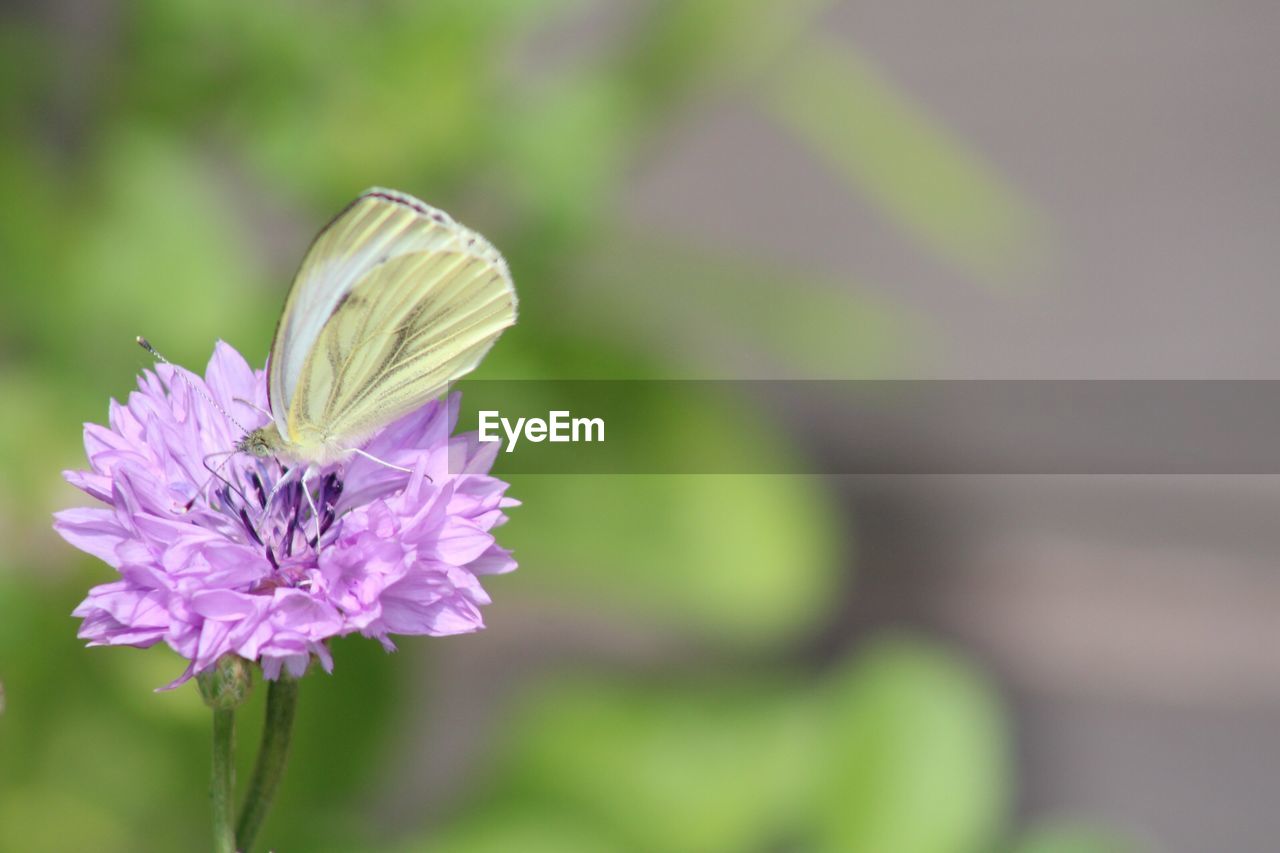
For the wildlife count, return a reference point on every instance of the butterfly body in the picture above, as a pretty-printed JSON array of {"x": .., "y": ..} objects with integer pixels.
[
  {"x": 393, "y": 301},
  {"x": 318, "y": 451}
]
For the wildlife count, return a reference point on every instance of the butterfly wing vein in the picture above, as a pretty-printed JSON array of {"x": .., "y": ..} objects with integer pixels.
[{"x": 393, "y": 301}]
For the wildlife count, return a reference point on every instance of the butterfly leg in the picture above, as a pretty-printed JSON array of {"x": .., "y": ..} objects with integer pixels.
[
  {"x": 271, "y": 496},
  {"x": 387, "y": 464},
  {"x": 382, "y": 462},
  {"x": 214, "y": 474},
  {"x": 315, "y": 513},
  {"x": 275, "y": 490}
]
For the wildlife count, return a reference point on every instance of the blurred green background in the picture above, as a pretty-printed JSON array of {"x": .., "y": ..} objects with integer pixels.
[{"x": 670, "y": 668}]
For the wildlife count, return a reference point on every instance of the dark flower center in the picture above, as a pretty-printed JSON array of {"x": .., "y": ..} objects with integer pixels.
[{"x": 281, "y": 520}]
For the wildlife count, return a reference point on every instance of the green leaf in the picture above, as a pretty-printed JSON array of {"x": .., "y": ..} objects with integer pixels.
[
  {"x": 733, "y": 558},
  {"x": 701, "y": 767},
  {"x": 566, "y": 152},
  {"x": 916, "y": 761},
  {"x": 167, "y": 256},
  {"x": 685, "y": 47},
  {"x": 871, "y": 134},
  {"x": 899, "y": 749}
]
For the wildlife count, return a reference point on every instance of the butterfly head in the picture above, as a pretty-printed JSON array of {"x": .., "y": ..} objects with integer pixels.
[{"x": 262, "y": 442}]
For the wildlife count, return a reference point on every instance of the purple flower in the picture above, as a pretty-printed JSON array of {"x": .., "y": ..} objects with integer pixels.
[{"x": 223, "y": 564}]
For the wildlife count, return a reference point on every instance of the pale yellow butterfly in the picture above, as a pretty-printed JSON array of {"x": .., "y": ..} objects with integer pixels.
[{"x": 393, "y": 301}]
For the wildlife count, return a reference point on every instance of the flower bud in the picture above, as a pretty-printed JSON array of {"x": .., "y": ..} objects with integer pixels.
[{"x": 227, "y": 684}]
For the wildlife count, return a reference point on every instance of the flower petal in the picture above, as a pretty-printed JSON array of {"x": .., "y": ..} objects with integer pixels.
[
  {"x": 93, "y": 530},
  {"x": 461, "y": 541}
]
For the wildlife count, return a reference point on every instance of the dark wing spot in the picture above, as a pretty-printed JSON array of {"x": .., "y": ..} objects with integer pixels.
[
  {"x": 349, "y": 296},
  {"x": 400, "y": 200}
]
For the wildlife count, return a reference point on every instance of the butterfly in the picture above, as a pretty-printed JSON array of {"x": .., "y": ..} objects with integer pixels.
[{"x": 394, "y": 300}]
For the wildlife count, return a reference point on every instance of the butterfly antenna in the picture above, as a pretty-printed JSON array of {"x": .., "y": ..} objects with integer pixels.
[
  {"x": 214, "y": 474},
  {"x": 146, "y": 345},
  {"x": 252, "y": 405}
]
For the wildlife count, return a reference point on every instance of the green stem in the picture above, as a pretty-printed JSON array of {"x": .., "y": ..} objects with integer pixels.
[
  {"x": 282, "y": 701},
  {"x": 222, "y": 784}
]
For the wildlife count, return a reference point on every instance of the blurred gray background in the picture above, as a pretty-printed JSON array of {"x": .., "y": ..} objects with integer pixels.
[{"x": 1134, "y": 620}]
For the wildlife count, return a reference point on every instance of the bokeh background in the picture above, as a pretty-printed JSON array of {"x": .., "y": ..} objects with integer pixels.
[{"x": 685, "y": 189}]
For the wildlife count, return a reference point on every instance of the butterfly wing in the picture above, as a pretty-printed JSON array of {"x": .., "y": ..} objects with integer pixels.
[
  {"x": 396, "y": 339},
  {"x": 379, "y": 227}
]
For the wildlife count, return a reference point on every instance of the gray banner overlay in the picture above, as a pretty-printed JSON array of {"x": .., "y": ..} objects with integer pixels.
[{"x": 880, "y": 427}]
